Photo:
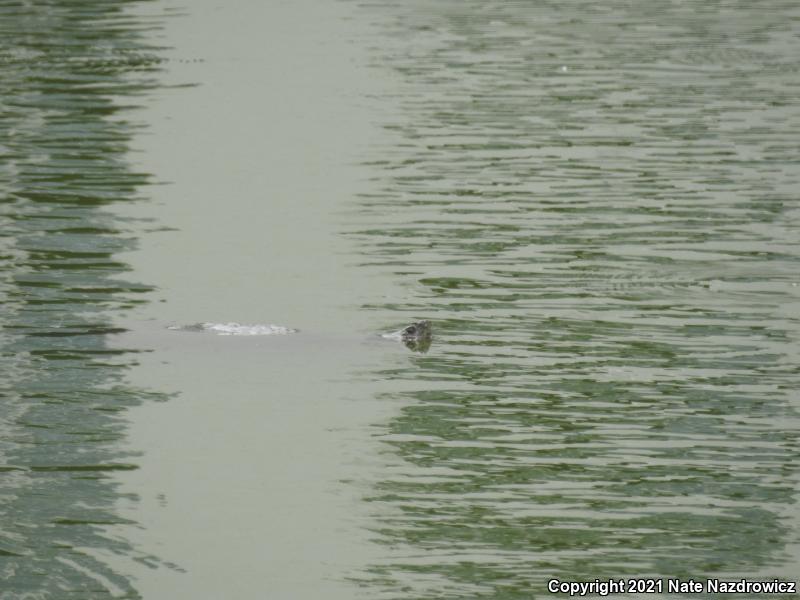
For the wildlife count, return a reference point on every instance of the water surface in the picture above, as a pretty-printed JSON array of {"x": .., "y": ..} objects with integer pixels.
[
  {"x": 595, "y": 204},
  {"x": 68, "y": 76}
]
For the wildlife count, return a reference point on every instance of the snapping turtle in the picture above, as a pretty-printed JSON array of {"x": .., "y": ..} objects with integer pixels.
[{"x": 416, "y": 336}]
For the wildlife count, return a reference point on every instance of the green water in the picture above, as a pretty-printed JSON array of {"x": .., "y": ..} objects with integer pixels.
[
  {"x": 65, "y": 72},
  {"x": 594, "y": 203},
  {"x": 598, "y": 207}
]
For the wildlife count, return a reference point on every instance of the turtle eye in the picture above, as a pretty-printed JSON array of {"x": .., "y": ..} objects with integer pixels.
[{"x": 411, "y": 330}]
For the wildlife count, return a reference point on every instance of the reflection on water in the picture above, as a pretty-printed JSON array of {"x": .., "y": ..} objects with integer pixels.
[
  {"x": 597, "y": 207},
  {"x": 63, "y": 69}
]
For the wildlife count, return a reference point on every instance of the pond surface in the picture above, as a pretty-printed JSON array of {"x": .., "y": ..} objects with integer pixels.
[{"x": 596, "y": 205}]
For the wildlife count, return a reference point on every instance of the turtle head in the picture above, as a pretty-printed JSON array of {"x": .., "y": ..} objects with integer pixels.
[
  {"x": 417, "y": 336},
  {"x": 417, "y": 331}
]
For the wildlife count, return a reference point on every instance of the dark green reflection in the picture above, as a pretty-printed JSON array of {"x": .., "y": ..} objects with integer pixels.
[
  {"x": 596, "y": 206},
  {"x": 68, "y": 70}
]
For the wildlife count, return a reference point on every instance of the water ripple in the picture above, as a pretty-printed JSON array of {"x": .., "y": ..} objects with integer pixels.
[
  {"x": 69, "y": 73},
  {"x": 597, "y": 207}
]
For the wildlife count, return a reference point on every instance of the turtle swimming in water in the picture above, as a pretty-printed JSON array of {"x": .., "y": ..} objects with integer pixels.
[{"x": 416, "y": 336}]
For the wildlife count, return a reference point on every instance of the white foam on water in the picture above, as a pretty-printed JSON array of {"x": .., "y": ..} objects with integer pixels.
[
  {"x": 393, "y": 335},
  {"x": 239, "y": 329}
]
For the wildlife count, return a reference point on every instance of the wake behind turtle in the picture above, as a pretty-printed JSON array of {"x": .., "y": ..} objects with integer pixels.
[{"x": 416, "y": 336}]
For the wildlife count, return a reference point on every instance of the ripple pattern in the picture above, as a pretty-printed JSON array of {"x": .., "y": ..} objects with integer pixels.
[
  {"x": 597, "y": 206},
  {"x": 69, "y": 72}
]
